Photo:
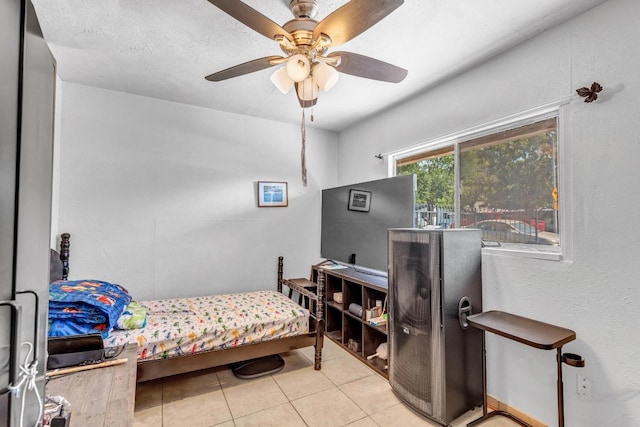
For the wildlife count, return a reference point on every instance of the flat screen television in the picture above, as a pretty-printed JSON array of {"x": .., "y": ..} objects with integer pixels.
[{"x": 355, "y": 219}]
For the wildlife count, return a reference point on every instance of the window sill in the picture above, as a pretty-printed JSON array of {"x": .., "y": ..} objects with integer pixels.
[{"x": 551, "y": 253}]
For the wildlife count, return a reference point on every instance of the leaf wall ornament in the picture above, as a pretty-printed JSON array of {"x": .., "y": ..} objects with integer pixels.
[{"x": 590, "y": 94}]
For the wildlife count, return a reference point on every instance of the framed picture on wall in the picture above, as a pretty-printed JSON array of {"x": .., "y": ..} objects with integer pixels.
[
  {"x": 359, "y": 200},
  {"x": 272, "y": 194}
]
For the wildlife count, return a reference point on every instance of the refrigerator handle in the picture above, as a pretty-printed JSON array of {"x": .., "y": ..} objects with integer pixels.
[
  {"x": 15, "y": 336},
  {"x": 35, "y": 322}
]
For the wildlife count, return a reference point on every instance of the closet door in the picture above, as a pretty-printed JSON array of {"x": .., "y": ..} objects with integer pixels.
[
  {"x": 10, "y": 36},
  {"x": 27, "y": 79},
  {"x": 32, "y": 254}
]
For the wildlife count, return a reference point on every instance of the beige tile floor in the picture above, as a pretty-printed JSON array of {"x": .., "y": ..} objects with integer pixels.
[{"x": 344, "y": 393}]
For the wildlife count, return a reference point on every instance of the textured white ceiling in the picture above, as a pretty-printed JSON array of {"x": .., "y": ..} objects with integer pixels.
[{"x": 164, "y": 49}]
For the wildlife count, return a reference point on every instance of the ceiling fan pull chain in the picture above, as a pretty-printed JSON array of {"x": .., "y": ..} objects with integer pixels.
[{"x": 302, "y": 154}]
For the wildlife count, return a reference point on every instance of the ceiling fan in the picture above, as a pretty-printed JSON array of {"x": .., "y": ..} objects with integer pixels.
[{"x": 305, "y": 42}]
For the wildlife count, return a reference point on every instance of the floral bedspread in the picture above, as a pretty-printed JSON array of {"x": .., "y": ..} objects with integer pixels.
[{"x": 182, "y": 326}]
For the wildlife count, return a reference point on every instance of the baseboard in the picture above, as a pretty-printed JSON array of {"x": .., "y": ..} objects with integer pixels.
[{"x": 496, "y": 405}]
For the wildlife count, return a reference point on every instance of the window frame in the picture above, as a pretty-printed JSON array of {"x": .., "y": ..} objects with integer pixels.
[{"x": 453, "y": 142}]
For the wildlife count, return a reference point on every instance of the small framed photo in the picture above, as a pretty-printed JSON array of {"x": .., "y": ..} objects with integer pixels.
[
  {"x": 272, "y": 194},
  {"x": 359, "y": 200}
]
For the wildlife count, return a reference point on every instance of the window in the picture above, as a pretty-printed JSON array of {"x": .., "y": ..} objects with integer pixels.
[{"x": 503, "y": 181}]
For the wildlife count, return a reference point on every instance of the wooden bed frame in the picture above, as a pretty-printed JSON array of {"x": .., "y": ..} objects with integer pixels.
[{"x": 153, "y": 369}]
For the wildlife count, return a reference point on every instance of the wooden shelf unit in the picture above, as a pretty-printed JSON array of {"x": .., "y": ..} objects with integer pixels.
[{"x": 362, "y": 287}]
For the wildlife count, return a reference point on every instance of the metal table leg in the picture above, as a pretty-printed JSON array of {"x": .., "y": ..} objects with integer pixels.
[
  {"x": 485, "y": 410},
  {"x": 560, "y": 389}
]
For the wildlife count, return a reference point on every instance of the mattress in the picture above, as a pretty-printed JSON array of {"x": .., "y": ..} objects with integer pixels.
[{"x": 178, "y": 327}]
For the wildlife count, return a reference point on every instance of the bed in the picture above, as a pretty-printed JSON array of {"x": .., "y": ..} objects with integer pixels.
[{"x": 188, "y": 334}]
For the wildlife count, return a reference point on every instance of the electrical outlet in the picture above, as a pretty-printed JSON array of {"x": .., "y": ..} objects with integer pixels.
[{"x": 583, "y": 385}]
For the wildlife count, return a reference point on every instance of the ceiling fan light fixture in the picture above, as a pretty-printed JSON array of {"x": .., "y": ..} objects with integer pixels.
[
  {"x": 281, "y": 80},
  {"x": 308, "y": 90},
  {"x": 325, "y": 76},
  {"x": 298, "y": 67}
]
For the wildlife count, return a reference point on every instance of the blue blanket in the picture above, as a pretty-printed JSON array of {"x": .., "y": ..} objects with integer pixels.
[{"x": 85, "y": 306}]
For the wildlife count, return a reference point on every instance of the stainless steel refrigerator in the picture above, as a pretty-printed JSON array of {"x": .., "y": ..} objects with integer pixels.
[
  {"x": 435, "y": 357},
  {"x": 27, "y": 81}
]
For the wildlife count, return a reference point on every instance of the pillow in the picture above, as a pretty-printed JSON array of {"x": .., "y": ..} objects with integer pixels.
[
  {"x": 134, "y": 316},
  {"x": 55, "y": 266}
]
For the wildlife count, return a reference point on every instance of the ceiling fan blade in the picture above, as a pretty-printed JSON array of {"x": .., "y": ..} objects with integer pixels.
[
  {"x": 369, "y": 68},
  {"x": 245, "y": 68},
  {"x": 251, "y": 18},
  {"x": 354, "y": 18}
]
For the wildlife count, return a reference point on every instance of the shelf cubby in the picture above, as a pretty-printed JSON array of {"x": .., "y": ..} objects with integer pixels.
[
  {"x": 352, "y": 294},
  {"x": 342, "y": 325},
  {"x": 333, "y": 285},
  {"x": 333, "y": 321}
]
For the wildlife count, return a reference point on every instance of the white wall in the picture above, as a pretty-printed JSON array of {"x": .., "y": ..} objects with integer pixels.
[
  {"x": 161, "y": 197},
  {"x": 55, "y": 179},
  {"x": 596, "y": 293}
]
